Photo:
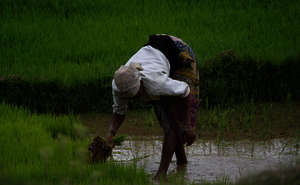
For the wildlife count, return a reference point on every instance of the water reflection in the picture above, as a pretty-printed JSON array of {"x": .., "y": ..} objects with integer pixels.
[{"x": 211, "y": 160}]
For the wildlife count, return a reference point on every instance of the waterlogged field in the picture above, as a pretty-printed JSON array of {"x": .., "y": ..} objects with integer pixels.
[
  {"x": 51, "y": 149},
  {"x": 70, "y": 41},
  {"x": 211, "y": 160},
  {"x": 47, "y": 149},
  {"x": 233, "y": 143}
]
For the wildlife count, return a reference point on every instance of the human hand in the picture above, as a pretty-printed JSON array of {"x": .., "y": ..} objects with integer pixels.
[
  {"x": 109, "y": 140},
  {"x": 189, "y": 137}
]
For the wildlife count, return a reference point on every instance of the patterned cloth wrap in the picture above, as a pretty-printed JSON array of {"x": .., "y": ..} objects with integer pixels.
[
  {"x": 184, "y": 67},
  {"x": 188, "y": 74}
]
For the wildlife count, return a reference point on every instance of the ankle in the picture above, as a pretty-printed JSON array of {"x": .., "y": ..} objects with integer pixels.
[
  {"x": 181, "y": 163},
  {"x": 160, "y": 177}
]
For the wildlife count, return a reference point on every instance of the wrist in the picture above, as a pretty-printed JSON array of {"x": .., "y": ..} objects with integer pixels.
[
  {"x": 187, "y": 92},
  {"x": 111, "y": 134}
]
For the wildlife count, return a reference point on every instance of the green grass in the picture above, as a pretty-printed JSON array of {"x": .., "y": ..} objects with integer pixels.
[
  {"x": 70, "y": 41},
  {"x": 46, "y": 149}
]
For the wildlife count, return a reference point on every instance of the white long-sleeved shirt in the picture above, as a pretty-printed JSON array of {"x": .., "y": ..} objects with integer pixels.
[{"x": 155, "y": 77}]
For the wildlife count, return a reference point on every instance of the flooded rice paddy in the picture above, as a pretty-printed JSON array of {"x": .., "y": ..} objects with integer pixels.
[{"x": 211, "y": 160}]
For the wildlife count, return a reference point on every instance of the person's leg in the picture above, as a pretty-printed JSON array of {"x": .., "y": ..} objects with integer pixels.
[
  {"x": 181, "y": 159},
  {"x": 177, "y": 115},
  {"x": 180, "y": 154},
  {"x": 169, "y": 146},
  {"x": 170, "y": 139},
  {"x": 169, "y": 114}
]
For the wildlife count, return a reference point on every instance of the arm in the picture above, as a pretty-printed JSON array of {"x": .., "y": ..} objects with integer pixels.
[
  {"x": 188, "y": 133},
  {"x": 180, "y": 113},
  {"x": 117, "y": 120},
  {"x": 160, "y": 84},
  {"x": 118, "y": 117}
]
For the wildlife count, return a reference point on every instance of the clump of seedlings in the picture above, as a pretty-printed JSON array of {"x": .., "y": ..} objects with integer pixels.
[{"x": 100, "y": 150}]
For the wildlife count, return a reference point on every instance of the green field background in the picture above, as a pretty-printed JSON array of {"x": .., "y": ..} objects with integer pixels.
[
  {"x": 59, "y": 56},
  {"x": 72, "y": 41}
]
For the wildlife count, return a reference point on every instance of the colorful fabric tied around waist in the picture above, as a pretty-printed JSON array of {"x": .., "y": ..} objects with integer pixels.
[{"x": 189, "y": 73}]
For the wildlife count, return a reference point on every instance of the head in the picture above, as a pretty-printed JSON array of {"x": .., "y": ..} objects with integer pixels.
[{"x": 128, "y": 79}]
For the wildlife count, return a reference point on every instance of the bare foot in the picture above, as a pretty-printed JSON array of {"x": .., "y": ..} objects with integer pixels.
[
  {"x": 159, "y": 178},
  {"x": 181, "y": 168}
]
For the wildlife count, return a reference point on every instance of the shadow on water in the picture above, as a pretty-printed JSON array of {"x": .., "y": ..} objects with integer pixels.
[{"x": 210, "y": 160}]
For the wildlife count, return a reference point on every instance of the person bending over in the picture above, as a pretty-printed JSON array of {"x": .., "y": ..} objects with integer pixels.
[{"x": 164, "y": 72}]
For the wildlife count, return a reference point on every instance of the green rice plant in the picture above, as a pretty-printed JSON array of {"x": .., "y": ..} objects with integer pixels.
[
  {"x": 247, "y": 115},
  {"x": 222, "y": 124},
  {"x": 118, "y": 140},
  {"x": 151, "y": 118},
  {"x": 213, "y": 119},
  {"x": 266, "y": 121},
  {"x": 297, "y": 140},
  {"x": 252, "y": 111},
  {"x": 30, "y": 154},
  {"x": 87, "y": 40}
]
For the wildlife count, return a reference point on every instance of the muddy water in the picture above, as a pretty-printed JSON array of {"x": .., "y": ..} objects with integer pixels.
[
  {"x": 208, "y": 159},
  {"x": 211, "y": 160}
]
